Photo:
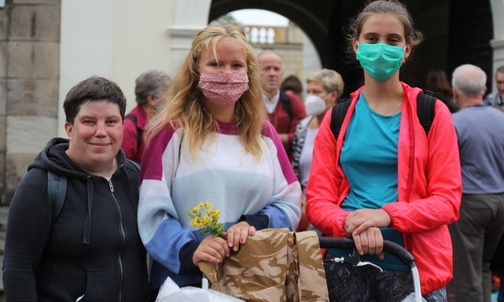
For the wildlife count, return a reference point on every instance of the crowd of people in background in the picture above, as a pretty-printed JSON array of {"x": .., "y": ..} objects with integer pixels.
[{"x": 229, "y": 128}]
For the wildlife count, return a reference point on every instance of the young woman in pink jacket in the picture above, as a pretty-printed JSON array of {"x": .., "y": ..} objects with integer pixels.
[{"x": 384, "y": 178}]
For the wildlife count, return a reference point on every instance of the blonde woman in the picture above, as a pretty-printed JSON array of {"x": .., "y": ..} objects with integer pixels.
[
  {"x": 211, "y": 143},
  {"x": 324, "y": 88}
]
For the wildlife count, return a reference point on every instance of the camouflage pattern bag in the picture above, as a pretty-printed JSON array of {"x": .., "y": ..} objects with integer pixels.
[{"x": 274, "y": 265}]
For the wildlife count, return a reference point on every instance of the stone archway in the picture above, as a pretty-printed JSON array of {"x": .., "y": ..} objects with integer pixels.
[
  {"x": 314, "y": 23},
  {"x": 445, "y": 47}
]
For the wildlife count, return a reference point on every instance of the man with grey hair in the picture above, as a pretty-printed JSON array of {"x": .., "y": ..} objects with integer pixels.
[
  {"x": 496, "y": 98},
  {"x": 285, "y": 111},
  {"x": 150, "y": 89},
  {"x": 476, "y": 235}
]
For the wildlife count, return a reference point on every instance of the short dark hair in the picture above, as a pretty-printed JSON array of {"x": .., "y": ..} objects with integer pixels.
[
  {"x": 152, "y": 82},
  {"x": 89, "y": 90},
  {"x": 293, "y": 83}
]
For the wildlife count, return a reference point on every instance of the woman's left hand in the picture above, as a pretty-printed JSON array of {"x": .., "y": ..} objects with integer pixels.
[
  {"x": 237, "y": 234},
  {"x": 363, "y": 219},
  {"x": 369, "y": 242}
]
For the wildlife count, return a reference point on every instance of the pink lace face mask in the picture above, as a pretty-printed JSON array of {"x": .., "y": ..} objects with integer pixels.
[{"x": 223, "y": 89}]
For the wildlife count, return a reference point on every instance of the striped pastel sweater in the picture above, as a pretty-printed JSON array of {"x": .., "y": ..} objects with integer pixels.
[{"x": 263, "y": 191}]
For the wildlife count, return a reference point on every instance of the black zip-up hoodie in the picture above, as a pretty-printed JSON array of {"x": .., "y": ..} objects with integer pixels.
[{"x": 91, "y": 250}]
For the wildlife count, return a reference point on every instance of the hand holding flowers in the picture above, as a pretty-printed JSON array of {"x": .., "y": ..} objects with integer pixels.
[
  {"x": 214, "y": 248},
  {"x": 209, "y": 223}
]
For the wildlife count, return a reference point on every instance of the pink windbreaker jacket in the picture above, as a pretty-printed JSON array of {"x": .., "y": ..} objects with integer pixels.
[{"x": 429, "y": 187}]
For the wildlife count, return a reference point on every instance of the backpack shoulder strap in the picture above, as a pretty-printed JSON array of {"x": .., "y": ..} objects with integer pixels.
[
  {"x": 426, "y": 109},
  {"x": 286, "y": 103},
  {"x": 56, "y": 189},
  {"x": 133, "y": 118},
  {"x": 338, "y": 114},
  {"x": 135, "y": 165}
]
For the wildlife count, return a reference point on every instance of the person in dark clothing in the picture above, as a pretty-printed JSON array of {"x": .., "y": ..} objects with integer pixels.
[
  {"x": 292, "y": 85},
  {"x": 437, "y": 83},
  {"x": 496, "y": 98},
  {"x": 91, "y": 249}
]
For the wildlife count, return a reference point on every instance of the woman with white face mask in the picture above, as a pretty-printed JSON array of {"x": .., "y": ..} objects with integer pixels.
[
  {"x": 383, "y": 178},
  {"x": 324, "y": 87}
]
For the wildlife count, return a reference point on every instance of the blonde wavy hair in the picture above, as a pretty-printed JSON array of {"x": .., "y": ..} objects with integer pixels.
[
  {"x": 185, "y": 108},
  {"x": 330, "y": 79}
]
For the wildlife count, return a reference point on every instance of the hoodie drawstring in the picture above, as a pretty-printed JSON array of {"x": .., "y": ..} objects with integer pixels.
[{"x": 87, "y": 223}]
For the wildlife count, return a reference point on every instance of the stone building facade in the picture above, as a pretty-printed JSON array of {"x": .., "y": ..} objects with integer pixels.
[
  {"x": 37, "y": 68},
  {"x": 29, "y": 83}
]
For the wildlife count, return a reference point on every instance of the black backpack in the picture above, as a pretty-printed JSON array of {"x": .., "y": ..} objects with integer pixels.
[
  {"x": 133, "y": 118},
  {"x": 286, "y": 103},
  {"x": 426, "y": 107}
]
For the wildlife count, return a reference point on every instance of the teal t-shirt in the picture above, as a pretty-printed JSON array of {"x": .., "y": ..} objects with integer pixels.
[{"x": 369, "y": 160}]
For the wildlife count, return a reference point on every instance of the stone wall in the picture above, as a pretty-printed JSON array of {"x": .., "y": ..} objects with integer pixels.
[
  {"x": 3, "y": 99},
  {"x": 29, "y": 81}
]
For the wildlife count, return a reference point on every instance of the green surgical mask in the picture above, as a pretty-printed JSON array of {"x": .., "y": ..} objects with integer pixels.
[{"x": 380, "y": 60}]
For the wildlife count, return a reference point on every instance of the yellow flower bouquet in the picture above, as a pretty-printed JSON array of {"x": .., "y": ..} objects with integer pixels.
[{"x": 204, "y": 216}]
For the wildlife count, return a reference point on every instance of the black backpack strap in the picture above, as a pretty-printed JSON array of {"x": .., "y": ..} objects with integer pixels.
[
  {"x": 338, "y": 115},
  {"x": 136, "y": 166},
  {"x": 426, "y": 109},
  {"x": 56, "y": 189},
  {"x": 133, "y": 118},
  {"x": 286, "y": 103}
]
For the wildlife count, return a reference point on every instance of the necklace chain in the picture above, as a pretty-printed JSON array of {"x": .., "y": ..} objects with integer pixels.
[{"x": 399, "y": 105}]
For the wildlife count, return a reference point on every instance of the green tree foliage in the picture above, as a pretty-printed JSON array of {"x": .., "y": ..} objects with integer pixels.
[{"x": 225, "y": 19}]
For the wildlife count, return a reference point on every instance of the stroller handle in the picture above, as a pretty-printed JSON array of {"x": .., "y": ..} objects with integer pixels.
[{"x": 388, "y": 246}]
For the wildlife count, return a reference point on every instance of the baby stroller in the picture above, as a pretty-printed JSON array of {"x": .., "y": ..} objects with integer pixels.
[{"x": 388, "y": 246}]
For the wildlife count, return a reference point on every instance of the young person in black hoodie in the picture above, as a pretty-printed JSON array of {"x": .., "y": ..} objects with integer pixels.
[{"x": 91, "y": 249}]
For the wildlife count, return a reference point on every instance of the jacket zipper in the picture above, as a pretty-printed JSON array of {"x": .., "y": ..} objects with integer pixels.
[
  {"x": 411, "y": 136},
  {"x": 123, "y": 237}
]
